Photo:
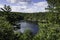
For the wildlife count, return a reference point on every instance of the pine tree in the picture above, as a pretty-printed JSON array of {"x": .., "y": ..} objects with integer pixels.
[
  {"x": 54, "y": 5},
  {"x": 6, "y": 8}
]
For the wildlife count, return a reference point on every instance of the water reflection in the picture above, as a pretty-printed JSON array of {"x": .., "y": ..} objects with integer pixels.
[{"x": 27, "y": 25}]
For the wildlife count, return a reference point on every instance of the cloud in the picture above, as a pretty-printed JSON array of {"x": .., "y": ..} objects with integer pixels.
[
  {"x": 12, "y": 1},
  {"x": 18, "y": 8},
  {"x": 1, "y": 6},
  {"x": 22, "y": 6},
  {"x": 17, "y": 1},
  {"x": 35, "y": 7}
]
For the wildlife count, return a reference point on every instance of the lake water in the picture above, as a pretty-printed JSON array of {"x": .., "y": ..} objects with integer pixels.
[{"x": 28, "y": 25}]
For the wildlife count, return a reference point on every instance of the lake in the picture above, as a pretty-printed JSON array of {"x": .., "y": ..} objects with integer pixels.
[{"x": 27, "y": 25}]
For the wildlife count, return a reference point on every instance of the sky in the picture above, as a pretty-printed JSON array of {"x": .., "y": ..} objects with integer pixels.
[{"x": 28, "y": 6}]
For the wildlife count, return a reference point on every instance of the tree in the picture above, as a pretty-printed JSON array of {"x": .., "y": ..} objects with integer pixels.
[
  {"x": 11, "y": 17},
  {"x": 54, "y": 8},
  {"x": 6, "y": 30},
  {"x": 54, "y": 5},
  {"x": 6, "y": 8}
]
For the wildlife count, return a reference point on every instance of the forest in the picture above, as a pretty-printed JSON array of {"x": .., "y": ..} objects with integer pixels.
[{"x": 48, "y": 23}]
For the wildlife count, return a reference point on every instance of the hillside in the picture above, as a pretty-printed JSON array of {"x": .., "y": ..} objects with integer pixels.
[{"x": 49, "y": 25}]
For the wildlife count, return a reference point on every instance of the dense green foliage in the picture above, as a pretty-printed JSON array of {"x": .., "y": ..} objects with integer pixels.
[
  {"x": 54, "y": 5},
  {"x": 49, "y": 24}
]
